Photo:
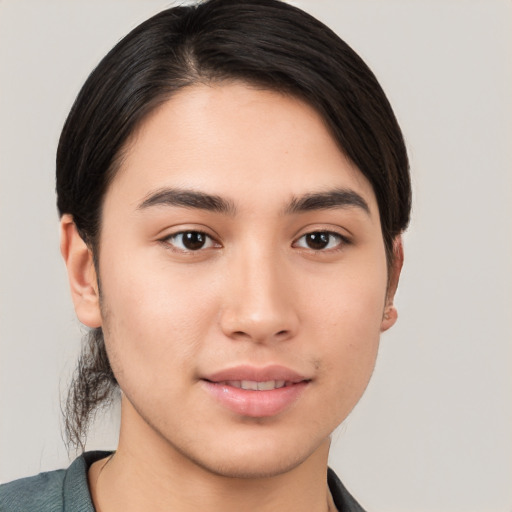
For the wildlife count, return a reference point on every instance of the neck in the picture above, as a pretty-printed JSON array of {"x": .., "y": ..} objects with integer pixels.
[{"x": 146, "y": 473}]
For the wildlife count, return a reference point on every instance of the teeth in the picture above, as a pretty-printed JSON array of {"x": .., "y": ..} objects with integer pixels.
[
  {"x": 267, "y": 386},
  {"x": 253, "y": 385},
  {"x": 249, "y": 384}
]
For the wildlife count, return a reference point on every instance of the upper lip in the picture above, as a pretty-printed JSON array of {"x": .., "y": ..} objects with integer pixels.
[{"x": 257, "y": 374}]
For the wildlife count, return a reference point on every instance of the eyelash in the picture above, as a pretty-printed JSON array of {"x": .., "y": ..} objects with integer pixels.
[
  {"x": 341, "y": 241},
  {"x": 194, "y": 235},
  {"x": 198, "y": 234}
]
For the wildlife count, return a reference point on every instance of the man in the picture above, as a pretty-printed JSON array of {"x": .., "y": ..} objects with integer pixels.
[{"x": 233, "y": 185}]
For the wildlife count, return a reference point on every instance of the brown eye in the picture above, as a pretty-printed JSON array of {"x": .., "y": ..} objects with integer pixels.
[
  {"x": 320, "y": 240},
  {"x": 194, "y": 240},
  {"x": 190, "y": 241},
  {"x": 317, "y": 241}
]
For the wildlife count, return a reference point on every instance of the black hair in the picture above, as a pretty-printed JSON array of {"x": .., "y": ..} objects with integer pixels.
[{"x": 267, "y": 43}]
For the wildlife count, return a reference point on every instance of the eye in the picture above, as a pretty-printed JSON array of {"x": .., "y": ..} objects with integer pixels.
[
  {"x": 320, "y": 241},
  {"x": 190, "y": 241}
]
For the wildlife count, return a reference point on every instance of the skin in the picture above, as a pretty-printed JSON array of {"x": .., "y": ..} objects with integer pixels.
[{"x": 255, "y": 294}]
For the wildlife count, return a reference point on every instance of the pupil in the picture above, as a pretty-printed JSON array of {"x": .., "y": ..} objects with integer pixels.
[
  {"x": 317, "y": 240},
  {"x": 193, "y": 240}
]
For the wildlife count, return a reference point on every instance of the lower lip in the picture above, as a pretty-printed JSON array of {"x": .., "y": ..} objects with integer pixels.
[{"x": 255, "y": 404}]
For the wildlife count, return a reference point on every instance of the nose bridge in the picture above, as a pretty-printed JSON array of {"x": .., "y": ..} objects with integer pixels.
[{"x": 260, "y": 306}]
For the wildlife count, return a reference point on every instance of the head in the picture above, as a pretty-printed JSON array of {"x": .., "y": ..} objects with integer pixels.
[{"x": 179, "y": 79}]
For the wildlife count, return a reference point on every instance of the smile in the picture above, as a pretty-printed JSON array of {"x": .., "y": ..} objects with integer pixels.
[
  {"x": 253, "y": 385},
  {"x": 256, "y": 392}
]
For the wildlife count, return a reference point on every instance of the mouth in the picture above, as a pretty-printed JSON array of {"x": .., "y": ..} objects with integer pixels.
[
  {"x": 256, "y": 392},
  {"x": 253, "y": 385}
]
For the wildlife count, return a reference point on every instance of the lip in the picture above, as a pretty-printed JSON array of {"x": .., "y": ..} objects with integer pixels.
[
  {"x": 252, "y": 403},
  {"x": 259, "y": 374}
]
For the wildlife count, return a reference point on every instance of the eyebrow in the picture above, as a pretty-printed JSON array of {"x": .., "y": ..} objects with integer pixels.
[
  {"x": 331, "y": 199},
  {"x": 187, "y": 199}
]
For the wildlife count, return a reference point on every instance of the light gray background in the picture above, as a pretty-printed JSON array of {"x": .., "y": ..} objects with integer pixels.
[{"x": 433, "y": 432}]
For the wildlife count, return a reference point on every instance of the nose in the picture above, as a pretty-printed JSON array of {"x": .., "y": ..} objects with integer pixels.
[{"x": 259, "y": 304}]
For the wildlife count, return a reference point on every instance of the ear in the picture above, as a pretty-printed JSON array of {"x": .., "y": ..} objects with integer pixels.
[
  {"x": 81, "y": 273},
  {"x": 390, "y": 313}
]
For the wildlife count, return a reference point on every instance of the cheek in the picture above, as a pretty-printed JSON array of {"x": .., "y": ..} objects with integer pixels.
[
  {"x": 351, "y": 300},
  {"x": 152, "y": 317},
  {"x": 346, "y": 315}
]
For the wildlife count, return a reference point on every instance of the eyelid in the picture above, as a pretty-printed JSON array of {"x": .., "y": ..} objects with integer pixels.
[
  {"x": 213, "y": 241},
  {"x": 344, "y": 240},
  {"x": 165, "y": 240}
]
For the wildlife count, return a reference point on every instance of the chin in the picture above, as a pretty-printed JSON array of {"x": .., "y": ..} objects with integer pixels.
[
  {"x": 257, "y": 458},
  {"x": 263, "y": 466}
]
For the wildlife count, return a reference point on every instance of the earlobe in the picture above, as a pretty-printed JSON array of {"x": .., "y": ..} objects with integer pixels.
[
  {"x": 81, "y": 273},
  {"x": 389, "y": 319},
  {"x": 390, "y": 315}
]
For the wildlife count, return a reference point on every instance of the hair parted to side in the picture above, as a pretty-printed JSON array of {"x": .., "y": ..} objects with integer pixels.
[{"x": 267, "y": 43}]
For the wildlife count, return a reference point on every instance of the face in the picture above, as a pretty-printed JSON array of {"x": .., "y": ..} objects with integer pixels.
[{"x": 243, "y": 280}]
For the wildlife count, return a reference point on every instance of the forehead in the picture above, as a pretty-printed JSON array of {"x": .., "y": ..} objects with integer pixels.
[{"x": 239, "y": 142}]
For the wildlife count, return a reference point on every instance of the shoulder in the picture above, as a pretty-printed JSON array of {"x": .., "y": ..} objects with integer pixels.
[
  {"x": 41, "y": 492},
  {"x": 56, "y": 491}
]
